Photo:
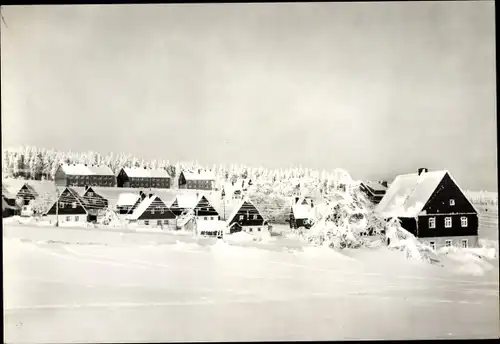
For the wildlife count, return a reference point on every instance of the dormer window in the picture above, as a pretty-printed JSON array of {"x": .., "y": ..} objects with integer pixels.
[{"x": 452, "y": 202}]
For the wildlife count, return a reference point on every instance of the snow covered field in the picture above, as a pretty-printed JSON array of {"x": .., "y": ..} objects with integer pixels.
[{"x": 87, "y": 285}]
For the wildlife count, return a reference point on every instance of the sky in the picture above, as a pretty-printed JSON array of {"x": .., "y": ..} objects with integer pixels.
[{"x": 377, "y": 89}]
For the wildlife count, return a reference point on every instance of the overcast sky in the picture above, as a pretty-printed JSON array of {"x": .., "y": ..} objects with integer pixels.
[{"x": 375, "y": 88}]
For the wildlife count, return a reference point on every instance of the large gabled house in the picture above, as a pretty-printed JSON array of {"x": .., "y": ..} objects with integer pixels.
[
  {"x": 432, "y": 206},
  {"x": 302, "y": 212},
  {"x": 199, "y": 180},
  {"x": 247, "y": 218},
  {"x": 196, "y": 212},
  {"x": 135, "y": 177},
  {"x": 80, "y": 175},
  {"x": 94, "y": 199},
  {"x": 153, "y": 212},
  {"x": 71, "y": 207}
]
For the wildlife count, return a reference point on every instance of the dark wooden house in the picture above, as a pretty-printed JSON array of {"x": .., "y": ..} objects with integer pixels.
[
  {"x": 143, "y": 178},
  {"x": 432, "y": 206},
  {"x": 246, "y": 217},
  {"x": 93, "y": 199},
  {"x": 80, "y": 175},
  {"x": 152, "y": 211},
  {"x": 199, "y": 180},
  {"x": 302, "y": 212},
  {"x": 27, "y": 193},
  {"x": 9, "y": 206},
  {"x": 71, "y": 207}
]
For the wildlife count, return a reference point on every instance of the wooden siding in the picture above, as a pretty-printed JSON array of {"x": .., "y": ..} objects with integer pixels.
[
  {"x": 66, "y": 201},
  {"x": 410, "y": 224},
  {"x": 204, "y": 208},
  {"x": 439, "y": 202},
  {"x": 441, "y": 231},
  {"x": 248, "y": 212},
  {"x": 154, "y": 211},
  {"x": 95, "y": 200}
]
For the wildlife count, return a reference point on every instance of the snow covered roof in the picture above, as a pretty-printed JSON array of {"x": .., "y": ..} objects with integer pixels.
[
  {"x": 127, "y": 199},
  {"x": 87, "y": 170},
  {"x": 375, "y": 186},
  {"x": 210, "y": 225},
  {"x": 6, "y": 193},
  {"x": 302, "y": 211},
  {"x": 141, "y": 208},
  {"x": 409, "y": 193},
  {"x": 138, "y": 172},
  {"x": 188, "y": 201},
  {"x": 203, "y": 175}
]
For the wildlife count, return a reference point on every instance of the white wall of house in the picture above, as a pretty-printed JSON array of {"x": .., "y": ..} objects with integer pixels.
[
  {"x": 256, "y": 230},
  {"x": 458, "y": 241},
  {"x": 157, "y": 223},
  {"x": 67, "y": 218}
]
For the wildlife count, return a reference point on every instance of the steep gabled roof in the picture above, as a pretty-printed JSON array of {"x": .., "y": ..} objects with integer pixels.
[
  {"x": 302, "y": 209},
  {"x": 145, "y": 204},
  {"x": 140, "y": 172},
  {"x": 127, "y": 199},
  {"x": 203, "y": 175},
  {"x": 101, "y": 170},
  {"x": 409, "y": 193},
  {"x": 240, "y": 206}
]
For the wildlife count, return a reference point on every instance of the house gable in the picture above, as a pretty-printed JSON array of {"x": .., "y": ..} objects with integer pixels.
[
  {"x": 156, "y": 210},
  {"x": 204, "y": 208},
  {"x": 27, "y": 192},
  {"x": 69, "y": 204},
  {"x": 439, "y": 202},
  {"x": 247, "y": 215},
  {"x": 94, "y": 199}
]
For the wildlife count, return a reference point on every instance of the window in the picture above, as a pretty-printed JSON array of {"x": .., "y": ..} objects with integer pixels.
[
  {"x": 241, "y": 217},
  {"x": 465, "y": 243},
  {"x": 432, "y": 244},
  {"x": 432, "y": 222},
  {"x": 447, "y": 222},
  {"x": 452, "y": 202},
  {"x": 258, "y": 229},
  {"x": 152, "y": 211},
  {"x": 158, "y": 222},
  {"x": 448, "y": 243},
  {"x": 146, "y": 222},
  {"x": 162, "y": 211},
  {"x": 205, "y": 218},
  {"x": 463, "y": 221},
  {"x": 255, "y": 217},
  {"x": 61, "y": 205},
  {"x": 77, "y": 218},
  {"x": 165, "y": 222},
  {"x": 91, "y": 194},
  {"x": 68, "y": 218}
]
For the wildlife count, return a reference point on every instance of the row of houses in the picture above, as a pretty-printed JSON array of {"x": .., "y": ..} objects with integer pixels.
[
  {"x": 79, "y": 175},
  {"x": 194, "y": 212},
  {"x": 430, "y": 205}
]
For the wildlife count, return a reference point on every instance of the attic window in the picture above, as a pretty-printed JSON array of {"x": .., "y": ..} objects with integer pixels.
[
  {"x": 241, "y": 217},
  {"x": 452, "y": 202},
  {"x": 152, "y": 211},
  {"x": 463, "y": 221},
  {"x": 432, "y": 222},
  {"x": 447, "y": 222},
  {"x": 74, "y": 205}
]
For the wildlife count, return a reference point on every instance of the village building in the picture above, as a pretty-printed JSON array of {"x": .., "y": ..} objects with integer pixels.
[
  {"x": 375, "y": 191},
  {"x": 247, "y": 218},
  {"x": 80, "y": 175},
  {"x": 153, "y": 212},
  {"x": 195, "y": 212},
  {"x": 127, "y": 202},
  {"x": 71, "y": 207},
  {"x": 199, "y": 180},
  {"x": 302, "y": 212},
  {"x": 9, "y": 206},
  {"x": 431, "y": 206},
  {"x": 135, "y": 177}
]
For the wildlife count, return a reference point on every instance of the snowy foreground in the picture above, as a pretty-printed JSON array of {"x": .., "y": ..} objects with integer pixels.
[{"x": 68, "y": 285}]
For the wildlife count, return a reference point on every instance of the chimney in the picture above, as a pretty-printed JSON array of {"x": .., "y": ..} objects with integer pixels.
[
  {"x": 296, "y": 199},
  {"x": 150, "y": 195},
  {"x": 312, "y": 204},
  {"x": 384, "y": 183},
  {"x": 422, "y": 170}
]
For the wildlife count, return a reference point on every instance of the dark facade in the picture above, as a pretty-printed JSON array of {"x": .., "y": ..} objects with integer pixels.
[
  {"x": 192, "y": 183},
  {"x": 9, "y": 207},
  {"x": 126, "y": 181},
  {"x": 246, "y": 216},
  {"x": 447, "y": 213},
  {"x": 101, "y": 178},
  {"x": 157, "y": 210},
  {"x": 27, "y": 193},
  {"x": 204, "y": 208},
  {"x": 69, "y": 204},
  {"x": 93, "y": 199}
]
